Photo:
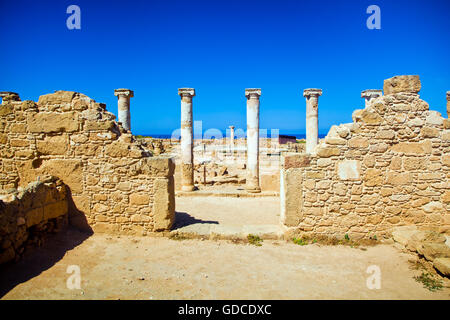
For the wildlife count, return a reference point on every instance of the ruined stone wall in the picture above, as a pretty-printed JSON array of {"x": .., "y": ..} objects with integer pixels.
[
  {"x": 390, "y": 167},
  {"x": 116, "y": 185},
  {"x": 28, "y": 215}
]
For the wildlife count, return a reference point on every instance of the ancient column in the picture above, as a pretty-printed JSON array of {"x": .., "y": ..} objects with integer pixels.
[
  {"x": 187, "y": 139},
  {"x": 371, "y": 94},
  {"x": 123, "y": 104},
  {"x": 231, "y": 138},
  {"x": 448, "y": 104},
  {"x": 312, "y": 119},
  {"x": 252, "y": 180}
]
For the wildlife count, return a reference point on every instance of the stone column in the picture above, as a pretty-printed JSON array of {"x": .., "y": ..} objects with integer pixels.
[
  {"x": 448, "y": 104},
  {"x": 370, "y": 94},
  {"x": 187, "y": 139},
  {"x": 252, "y": 180},
  {"x": 312, "y": 119},
  {"x": 231, "y": 138},
  {"x": 9, "y": 96},
  {"x": 123, "y": 104}
]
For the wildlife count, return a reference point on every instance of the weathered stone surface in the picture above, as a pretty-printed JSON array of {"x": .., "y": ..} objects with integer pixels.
[
  {"x": 139, "y": 199},
  {"x": 53, "y": 145},
  {"x": 326, "y": 152},
  {"x": 296, "y": 161},
  {"x": 70, "y": 170},
  {"x": 358, "y": 142},
  {"x": 397, "y": 84},
  {"x": 442, "y": 265},
  {"x": 291, "y": 196},
  {"x": 371, "y": 117},
  {"x": 44, "y": 122},
  {"x": 412, "y": 147},
  {"x": 373, "y": 177},
  {"x": 164, "y": 205},
  {"x": 433, "y": 250},
  {"x": 349, "y": 169},
  {"x": 58, "y": 97}
]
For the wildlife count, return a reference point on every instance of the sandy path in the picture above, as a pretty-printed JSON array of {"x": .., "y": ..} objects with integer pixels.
[
  {"x": 230, "y": 211},
  {"x": 115, "y": 267}
]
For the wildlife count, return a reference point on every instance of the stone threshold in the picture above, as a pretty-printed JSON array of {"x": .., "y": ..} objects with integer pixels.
[{"x": 211, "y": 231}]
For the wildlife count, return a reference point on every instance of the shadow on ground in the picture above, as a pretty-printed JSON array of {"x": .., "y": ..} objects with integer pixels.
[
  {"x": 183, "y": 219},
  {"x": 37, "y": 260}
]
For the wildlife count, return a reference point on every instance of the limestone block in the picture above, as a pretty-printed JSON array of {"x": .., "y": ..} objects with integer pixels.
[
  {"x": 50, "y": 122},
  {"x": 335, "y": 141},
  {"x": 397, "y": 84},
  {"x": 34, "y": 216},
  {"x": 358, "y": 142},
  {"x": 443, "y": 265},
  {"x": 139, "y": 199},
  {"x": 59, "y": 97},
  {"x": 433, "y": 250},
  {"x": 396, "y": 178},
  {"x": 385, "y": 134},
  {"x": 415, "y": 163},
  {"x": 155, "y": 166},
  {"x": 291, "y": 196},
  {"x": 412, "y": 147},
  {"x": 403, "y": 234},
  {"x": 53, "y": 145},
  {"x": 373, "y": 177},
  {"x": 428, "y": 132},
  {"x": 349, "y": 169},
  {"x": 296, "y": 161},
  {"x": 93, "y": 125},
  {"x": 56, "y": 209},
  {"x": 69, "y": 171},
  {"x": 434, "y": 118},
  {"x": 326, "y": 152},
  {"x": 371, "y": 117},
  {"x": 164, "y": 204},
  {"x": 6, "y": 109},
  {"x": 118, "y": 149}
]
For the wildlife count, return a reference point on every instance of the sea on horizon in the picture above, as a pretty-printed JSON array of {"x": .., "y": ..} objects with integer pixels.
[{"x": 169, "y": 135}]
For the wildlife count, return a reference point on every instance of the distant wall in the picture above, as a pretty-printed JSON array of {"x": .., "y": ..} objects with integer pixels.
[
  {"x": 28, "y": 215},
  {"x": 390, "y": 167},
  {"x": 115, "y": 185}
]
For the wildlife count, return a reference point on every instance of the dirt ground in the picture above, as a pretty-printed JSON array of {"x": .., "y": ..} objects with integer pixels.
[
  {"x": 120, "y": 267},
  {"x": 222, "y": 210}
]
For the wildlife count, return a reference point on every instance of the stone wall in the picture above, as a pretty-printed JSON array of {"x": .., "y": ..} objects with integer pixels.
[
  {"x": 27, "y": 215},
  {"x": 115, "y": 184},
  {"x": 388, "y": 168}
]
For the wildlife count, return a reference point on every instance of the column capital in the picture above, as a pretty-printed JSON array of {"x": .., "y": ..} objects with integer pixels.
[
  {"x": 9, "y": 95},
  {"x": 186, "y": 92},
  {"x": 231, "y": 127},
  {"x": 124, "y": 92},
  {"x": 448, "y": 95},
  {"x": 256, "y": 92},
  {"x": 371, "y": 93},
  {"x": 312, "y": 92}
]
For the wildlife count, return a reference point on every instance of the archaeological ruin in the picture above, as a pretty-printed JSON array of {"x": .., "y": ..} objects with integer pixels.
[{"x": 66, "y": 160}]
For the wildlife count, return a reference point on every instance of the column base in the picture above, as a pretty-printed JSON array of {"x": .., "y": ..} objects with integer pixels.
[
  {"x": 253, "y": 189},
  {"x": 187, "y": 188}
]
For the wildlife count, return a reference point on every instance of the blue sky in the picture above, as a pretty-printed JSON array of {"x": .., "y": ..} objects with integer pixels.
[{"x": 220, "y": 48}]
